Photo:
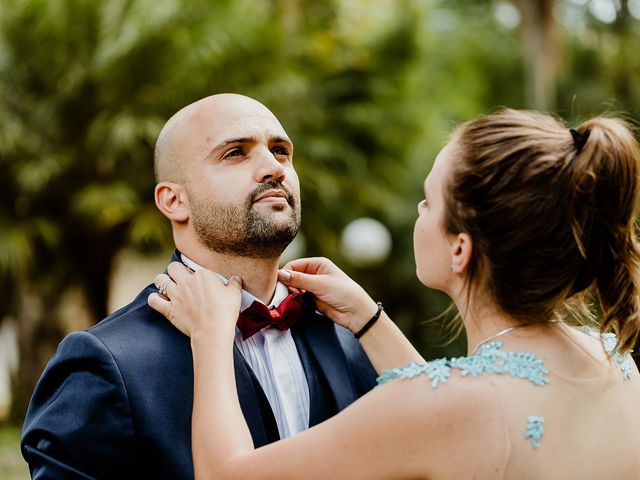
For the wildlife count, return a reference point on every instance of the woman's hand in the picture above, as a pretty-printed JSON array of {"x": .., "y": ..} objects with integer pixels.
[
  {"x": 197, "y": 302},
  {"x": 338, "y": 296}
]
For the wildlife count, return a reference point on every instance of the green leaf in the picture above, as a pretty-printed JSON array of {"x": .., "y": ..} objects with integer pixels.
[
  {"x": 19, "y": 242},
  {"x": 150, "y": 229},
  {"x": 16, "y": 250},
  {"x": 106, "y": 205},
  {"x": 32, "y": 175}
]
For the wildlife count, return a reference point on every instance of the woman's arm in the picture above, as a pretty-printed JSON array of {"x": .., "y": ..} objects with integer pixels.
[
  {"x": 404, "y": 429},
  {"x": 346, "y": 303},
  {"x": 205, "y": 309},
  {"x": 366, "y": 441},
  {"x": 201, "y": 306}
]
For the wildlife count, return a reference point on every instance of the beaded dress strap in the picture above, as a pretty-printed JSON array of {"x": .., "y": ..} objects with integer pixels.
[{"x": 609, "y": 342}]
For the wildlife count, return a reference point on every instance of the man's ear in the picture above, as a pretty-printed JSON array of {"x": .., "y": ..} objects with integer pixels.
[
  {"x": 461, "y": 251},
  {"x": 171, "y": 200}
]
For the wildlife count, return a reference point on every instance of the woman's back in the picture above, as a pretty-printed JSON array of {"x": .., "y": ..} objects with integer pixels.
[
  {"x": 567, "y": 411},
  {"x": 589, "y": 411}
]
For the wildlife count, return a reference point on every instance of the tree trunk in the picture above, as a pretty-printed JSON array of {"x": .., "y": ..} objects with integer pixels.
[
  {"x": 53, "y": 306},
  {"x": 38, "y": 335},
  {"x": 541, "y": 49}
]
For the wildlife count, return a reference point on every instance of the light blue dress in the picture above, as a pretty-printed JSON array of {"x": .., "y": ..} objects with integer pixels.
[{"x": 491, "y": 360}]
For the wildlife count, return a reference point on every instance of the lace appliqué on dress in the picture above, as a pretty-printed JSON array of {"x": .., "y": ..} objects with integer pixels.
[
  {"x": 535, "y": 430},
  {"x": 609, "y": 340},
  {"x": 438, "y": 371},
  {"x": 488, "y": 360}
]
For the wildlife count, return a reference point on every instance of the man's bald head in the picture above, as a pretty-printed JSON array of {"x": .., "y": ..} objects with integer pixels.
[
  {"x": 226, "y": 180},
  {"x": 188, "y": 132}
]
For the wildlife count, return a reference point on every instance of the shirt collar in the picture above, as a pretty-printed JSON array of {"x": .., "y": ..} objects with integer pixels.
[{"x": 279, "y": 295}]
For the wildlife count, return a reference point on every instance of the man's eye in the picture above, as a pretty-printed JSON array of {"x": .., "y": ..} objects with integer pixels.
[
  {"x": 280, "y": 150},
  {"x": 233, "y": 153}
]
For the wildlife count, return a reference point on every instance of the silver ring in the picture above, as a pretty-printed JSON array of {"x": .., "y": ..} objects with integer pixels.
[{"x": 163, "y": 289}]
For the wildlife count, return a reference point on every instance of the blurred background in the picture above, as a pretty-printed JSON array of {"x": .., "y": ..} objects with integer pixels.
[{"x": 367, "y": 89}]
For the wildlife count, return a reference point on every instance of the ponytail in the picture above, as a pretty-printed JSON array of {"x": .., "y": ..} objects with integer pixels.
[
  {"x": 551, "y": 211},
  {"x": 603, "y": 198}
]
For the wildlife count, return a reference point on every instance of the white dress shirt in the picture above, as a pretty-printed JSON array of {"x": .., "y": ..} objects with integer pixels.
[{"x": 273, "y": 358}]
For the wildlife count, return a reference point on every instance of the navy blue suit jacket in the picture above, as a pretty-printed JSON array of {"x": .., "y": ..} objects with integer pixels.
[{"x": 115, "y": 400}]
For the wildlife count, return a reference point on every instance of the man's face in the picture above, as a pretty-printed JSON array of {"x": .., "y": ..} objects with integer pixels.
[{"x": 243, "y": 191}]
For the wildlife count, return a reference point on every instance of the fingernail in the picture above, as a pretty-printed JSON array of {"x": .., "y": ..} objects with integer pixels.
[{"x": 285, "y": 275}]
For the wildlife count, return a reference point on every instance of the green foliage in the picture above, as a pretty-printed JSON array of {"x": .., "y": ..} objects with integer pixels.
[
  {"x": 76, "y": 125},
  {"x": 12, "y": 466}
]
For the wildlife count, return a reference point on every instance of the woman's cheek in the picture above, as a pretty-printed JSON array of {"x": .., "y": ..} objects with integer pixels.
[{"x": 420, "y": 250}]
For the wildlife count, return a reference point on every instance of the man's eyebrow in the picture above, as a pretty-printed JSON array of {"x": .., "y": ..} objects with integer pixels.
[
  {"x": 280, "y": 140},
  {"x": 230, "y": 141},
  {"x": 244, "y": 140}
]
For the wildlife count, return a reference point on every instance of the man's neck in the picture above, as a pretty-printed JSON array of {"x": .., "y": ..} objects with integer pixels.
[{"x": 259, "y": 275}]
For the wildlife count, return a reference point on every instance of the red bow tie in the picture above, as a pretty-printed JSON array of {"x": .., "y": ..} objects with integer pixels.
[{"x": 258, "y": 316}]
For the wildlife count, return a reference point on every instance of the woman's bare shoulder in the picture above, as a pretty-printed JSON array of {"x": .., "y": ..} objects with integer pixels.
[{"x": 460, "y": 419}]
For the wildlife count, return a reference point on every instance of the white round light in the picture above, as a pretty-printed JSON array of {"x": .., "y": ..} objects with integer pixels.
[
  {"x": 365, "y": 242},
  {"x": 507, "y": 15},
  {"x": 634, "y": 8},
  {"x": 604, "y": 10}
]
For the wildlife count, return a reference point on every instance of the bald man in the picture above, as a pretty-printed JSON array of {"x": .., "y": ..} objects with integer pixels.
[{"x": 115, "y": 400}]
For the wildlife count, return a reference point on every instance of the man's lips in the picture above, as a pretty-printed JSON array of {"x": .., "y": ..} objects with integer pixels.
[{"x": 272, "y": 196}]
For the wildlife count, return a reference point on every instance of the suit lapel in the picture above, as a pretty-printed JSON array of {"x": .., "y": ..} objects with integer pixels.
[
  {"x": 322, "y": 341},
  {"x": 324, "y": 364},
  {"x": 321, "y": 401},
  {"x": 254, "y": 404}
]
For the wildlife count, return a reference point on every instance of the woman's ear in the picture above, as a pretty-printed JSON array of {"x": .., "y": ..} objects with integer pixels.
[
  {"x": 461, "y": 251},
  {"x": 171, "y": 200}
]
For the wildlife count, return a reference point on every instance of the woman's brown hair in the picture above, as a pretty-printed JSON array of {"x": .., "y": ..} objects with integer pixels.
[{"x": 551, "y": 213}]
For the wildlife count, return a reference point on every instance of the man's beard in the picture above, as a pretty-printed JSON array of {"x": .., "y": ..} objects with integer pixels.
[{"x": 243, "y": 230}]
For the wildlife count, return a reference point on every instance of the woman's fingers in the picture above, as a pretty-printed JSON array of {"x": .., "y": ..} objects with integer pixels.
[
  {"x": 313, "y": 265},
  {"x": 178, "y": 272},
  {"x": 191, "y": 300},
  {"x": 302, "y": 281},
  {"x": 163, "y": 282},
  {"x": 165, "y": 307},
  {"x": 159, "y": 304},
  {"x": 314, "y": 274},
  {"x": 235, "y": 282},
  {"x": 337, "y": 295}
]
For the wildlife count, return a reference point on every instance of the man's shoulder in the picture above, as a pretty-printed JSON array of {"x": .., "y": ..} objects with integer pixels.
[
  {"x": 134, "y": 332},
  {"x": 136, "y": 309},
  {"x": 131, "y": 318},
  {"x": 135, "y": 314}
]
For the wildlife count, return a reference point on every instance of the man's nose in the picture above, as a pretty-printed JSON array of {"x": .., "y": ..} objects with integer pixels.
[{"x": 270, "y": 168}]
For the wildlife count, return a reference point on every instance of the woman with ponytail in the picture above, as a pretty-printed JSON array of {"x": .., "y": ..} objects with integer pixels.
[{"x": 528, "y": 226}]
